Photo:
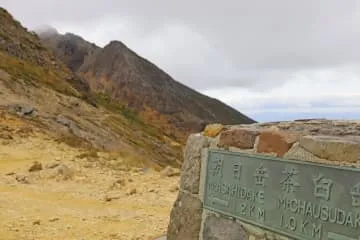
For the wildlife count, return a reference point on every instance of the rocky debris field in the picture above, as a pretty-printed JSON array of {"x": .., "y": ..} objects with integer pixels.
[{"x": 49, "y": 190}]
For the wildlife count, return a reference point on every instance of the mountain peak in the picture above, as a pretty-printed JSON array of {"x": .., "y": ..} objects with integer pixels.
[{"x": 115, "y": 44}]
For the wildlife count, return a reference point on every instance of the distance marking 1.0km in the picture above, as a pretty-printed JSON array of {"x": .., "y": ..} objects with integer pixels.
[{"x": 302, "y": 200}]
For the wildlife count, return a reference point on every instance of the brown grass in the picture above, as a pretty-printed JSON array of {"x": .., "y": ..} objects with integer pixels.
[
  {"x": 74, "y": 141},
  {"x": 92, "y": 153},
  {"x": 35, "y": 74}
]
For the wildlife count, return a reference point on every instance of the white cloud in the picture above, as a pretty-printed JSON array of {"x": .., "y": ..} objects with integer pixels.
[
  {"x": 101, "y": 31},
  {"x": 327, "y": 90}
]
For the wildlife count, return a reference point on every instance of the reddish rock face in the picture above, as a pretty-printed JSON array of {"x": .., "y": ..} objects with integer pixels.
[
  {"x": 278, "y": 142},
  {"x": 124, "y": 76},
  {"x": 240, "y": 138}
]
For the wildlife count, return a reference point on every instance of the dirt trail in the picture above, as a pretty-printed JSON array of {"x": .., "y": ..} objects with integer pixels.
[{"x": 75, "y": 197}]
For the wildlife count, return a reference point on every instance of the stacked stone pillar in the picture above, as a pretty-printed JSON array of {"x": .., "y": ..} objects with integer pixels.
[{"x": 321, "y": 141}]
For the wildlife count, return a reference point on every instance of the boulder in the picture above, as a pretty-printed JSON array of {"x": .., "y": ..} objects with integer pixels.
[
  {"x": 190, "y": 172},
  {"x": 216, "y": 228},
  {"x": 170, "y": 172},
  {"x": 342, "y": 149},
  {"x": 240, "y": 138},
  {"x": 276, "y": 141},
  {"x": 185, "y": 218},
  {"x": 23, "y": 110},
  {"x": 212, "y": 130},
  {"x": 36, "y": 166}
]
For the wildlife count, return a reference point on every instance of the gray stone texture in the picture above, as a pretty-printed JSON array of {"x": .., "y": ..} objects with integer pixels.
[
  {"x": 204, "y": 156},
  {"x": 299, "y": 153},
  {"x": 317, "y": 140},
  {"x": 190, "y": 172},
  {"x": 217, "y": 228},
  {"x": 342, "y": 149},
  {"x": 185, "y": 218}
]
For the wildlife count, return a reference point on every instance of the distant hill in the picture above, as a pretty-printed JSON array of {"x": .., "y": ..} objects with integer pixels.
[{"x": 119, "y": 73}]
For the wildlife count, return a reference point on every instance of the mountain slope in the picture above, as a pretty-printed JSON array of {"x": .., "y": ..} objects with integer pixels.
[
  {"x": 23, "y": 55},
  {"x": 124, "y": 76},
  {"x": 36, "y": 86},
  {"x": 104, "y": 184}
]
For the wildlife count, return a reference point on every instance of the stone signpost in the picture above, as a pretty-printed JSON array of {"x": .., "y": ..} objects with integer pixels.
[
  {"x": 289, "y": 180},
  {"x": 298, "y": 199}
]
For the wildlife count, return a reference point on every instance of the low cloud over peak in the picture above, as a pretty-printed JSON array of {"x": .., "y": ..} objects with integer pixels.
[{"x": 46, "y": 30}]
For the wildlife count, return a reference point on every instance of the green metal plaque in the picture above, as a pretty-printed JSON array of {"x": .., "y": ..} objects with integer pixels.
[{"x": 301, "y": 200}]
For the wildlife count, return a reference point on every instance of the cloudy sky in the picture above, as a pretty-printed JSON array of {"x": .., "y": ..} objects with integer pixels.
[{"x": 272, "y": 60}]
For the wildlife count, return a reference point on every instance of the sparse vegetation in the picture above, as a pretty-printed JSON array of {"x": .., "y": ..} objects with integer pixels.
[
  {"x": 117, "y": 107},
  {"x": 131, "y": 160},
  {"x": 92, "y": 153},
  {"x": 34, "y": 74},
  {"x": 74, "y": 141}
]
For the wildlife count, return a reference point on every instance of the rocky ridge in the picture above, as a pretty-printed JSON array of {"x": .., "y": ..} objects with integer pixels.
[{"x": 124, "y": 76}]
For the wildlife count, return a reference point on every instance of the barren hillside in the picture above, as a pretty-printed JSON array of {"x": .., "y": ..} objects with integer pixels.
[{"x": 51, "y": 191}]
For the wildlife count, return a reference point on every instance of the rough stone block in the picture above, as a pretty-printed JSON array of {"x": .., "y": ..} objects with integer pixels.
[
  {"x": 212, "y": 130},
  {"x": 185, "y": 218},
  {"x": 260, "y": 233},
  {"x": 216, "y": 228},
  {"x": 299, "y": 153},
  {"x": 252, "y": 237},
  {"x": 279, "y": 142},
  {"x": 204, "y": 156},
  {"x": 213, "y": 142},
  {"x": 344, "y": 149},
  {"x": 240, "y": 138},
  {"x": 190, "y": 172},
  {"x": 254, "y": 230}
]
